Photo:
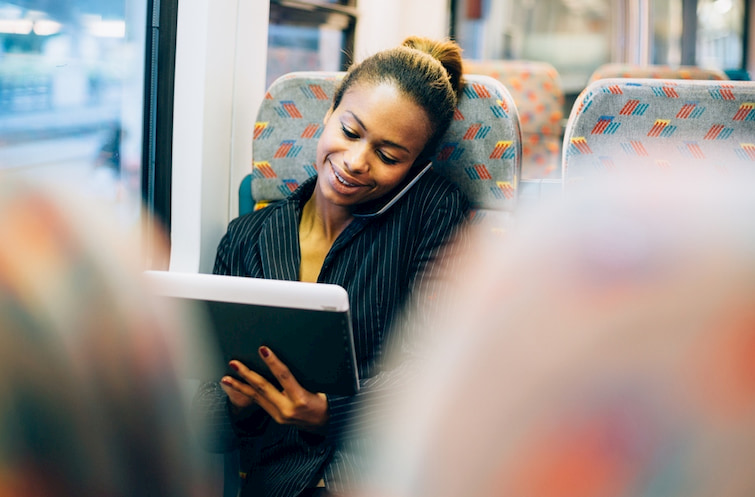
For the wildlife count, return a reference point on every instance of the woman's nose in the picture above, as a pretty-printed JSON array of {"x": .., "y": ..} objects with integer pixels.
[{"x": 356, "y": 158}]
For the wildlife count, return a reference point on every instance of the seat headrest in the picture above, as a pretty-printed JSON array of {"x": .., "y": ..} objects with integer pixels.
[{"x": 481, "y": 151}]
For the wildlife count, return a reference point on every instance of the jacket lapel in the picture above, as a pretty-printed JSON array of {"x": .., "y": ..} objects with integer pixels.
[{"x": 279, "y": 244}]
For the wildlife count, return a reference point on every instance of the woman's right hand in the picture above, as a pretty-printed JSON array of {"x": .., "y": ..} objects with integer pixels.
[{"x": 239, "y": 400}]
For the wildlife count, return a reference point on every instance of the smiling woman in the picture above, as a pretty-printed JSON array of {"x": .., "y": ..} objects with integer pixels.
[
  {"x": 364, "y": 152},
  {"x": 384, "y": 124},
  {"x": 363, "y": 155}
]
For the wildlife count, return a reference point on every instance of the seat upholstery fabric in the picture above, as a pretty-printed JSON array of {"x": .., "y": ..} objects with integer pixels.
[
  {"x": 481, "y": 151},
  {"x": 620, "y": 70},
  {"x": 660, "y": 126},
  {"x": 289, "y": 124},
  {"x": 539, "y": 97}
]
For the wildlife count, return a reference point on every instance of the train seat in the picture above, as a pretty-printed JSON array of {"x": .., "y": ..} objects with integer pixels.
[
  {"x": 738, "y": 74},
  {"x": 289, "y": 123},
  {"x": 620, "y": 70},
  {"x": 660, "y": 126},
  {"x": 481, "y": 151},
  {"x": 539, "y": 97}
]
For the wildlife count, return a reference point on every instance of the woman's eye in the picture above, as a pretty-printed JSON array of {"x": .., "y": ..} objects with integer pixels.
[
  {"x": 348, "y": 133},
  {"x": 385, "y": 158}
]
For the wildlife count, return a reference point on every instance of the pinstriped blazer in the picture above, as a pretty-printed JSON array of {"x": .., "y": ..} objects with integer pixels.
[{"x": 378, "y": 261}]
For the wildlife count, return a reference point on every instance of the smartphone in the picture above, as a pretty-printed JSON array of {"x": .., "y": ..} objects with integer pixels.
[{"x": 379, "y": 206}]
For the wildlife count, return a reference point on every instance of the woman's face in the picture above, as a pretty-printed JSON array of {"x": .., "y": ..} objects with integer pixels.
[{"x": 369, "y": 143}]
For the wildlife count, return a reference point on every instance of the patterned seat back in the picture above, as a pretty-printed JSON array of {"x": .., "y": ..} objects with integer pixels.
[
  {"x": 660, "y": 126},
  {"x": 539, "y": 97},
  {"x": 481, "y": 151},
  {"x": 289, "y": 124},
  {"x": 617, "y": 70}
]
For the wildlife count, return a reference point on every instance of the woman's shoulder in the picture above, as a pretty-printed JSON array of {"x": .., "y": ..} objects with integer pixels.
[
  {"x": 259, "y": 215},
  {"x": 252, "y": 221},
  {"x": 434, "y": 188}
]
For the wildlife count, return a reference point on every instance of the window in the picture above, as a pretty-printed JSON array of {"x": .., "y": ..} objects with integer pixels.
[
  {"x": 705, "y": 33},
  {"x": 576, "y": 37},
  {"x": 309, "y": 36},
  {"x": 71, "y": 96},
  {"x": 666, "y": 47},
  {"x": 573, "y": 36},
  {"x": 720, "y": 33}
]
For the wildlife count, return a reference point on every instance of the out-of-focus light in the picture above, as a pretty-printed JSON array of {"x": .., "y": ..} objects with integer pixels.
[
  {"x": 108, "y": 29},
  {"x": 45, "y": 27},
  {"x": 723, "y": 6},
  {"x": 16, "y": 26},
  {"x": 8, "y": 11}
]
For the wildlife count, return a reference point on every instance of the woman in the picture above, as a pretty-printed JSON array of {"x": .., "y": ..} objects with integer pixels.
[{"x": 386, "y": 120}]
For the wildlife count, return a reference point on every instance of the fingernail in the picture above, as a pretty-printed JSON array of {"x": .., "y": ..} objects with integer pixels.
[
  {"x": 264, "y": 351},
  {"x": 226, "y": 381},
  {"x": 234, "y": 366}
]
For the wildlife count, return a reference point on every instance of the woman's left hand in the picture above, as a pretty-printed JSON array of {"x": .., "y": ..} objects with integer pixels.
[{"x": 293, "y": 405}]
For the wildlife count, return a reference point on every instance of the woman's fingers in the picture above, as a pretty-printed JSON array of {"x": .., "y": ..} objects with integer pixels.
[
  {"x": 255, "y": 380},
  {"x": 238, "y": 398},
  {"x": 293, "y": 405},
  {"x": 280, "y": 371},
  {"x": 255, "y": 388}
]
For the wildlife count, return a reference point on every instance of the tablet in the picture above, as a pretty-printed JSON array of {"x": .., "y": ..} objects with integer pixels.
[{"x": 307, "y": 325}]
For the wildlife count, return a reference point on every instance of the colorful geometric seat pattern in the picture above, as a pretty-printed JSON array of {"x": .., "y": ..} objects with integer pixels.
[
  {"x": 537, "y": 92},
  {"x": 481, "y": 151},
  {"x": 620, "y": 70},
  {"x": 655, "y": 125},
  {"x": 289, "y": 123}
]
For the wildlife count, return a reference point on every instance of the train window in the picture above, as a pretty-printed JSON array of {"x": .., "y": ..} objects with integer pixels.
[
  {"x": 575, "y": 36},
  {"x": 720, "y": 33},
  {"x": 705, "y": 33},
  {"x": 666, "y": 47},
  {"x": 71, "y": 96},
  {"x": 309, "y": 36}
]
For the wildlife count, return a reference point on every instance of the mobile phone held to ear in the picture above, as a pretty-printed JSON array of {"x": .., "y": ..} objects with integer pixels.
[{"x": 381, "y": 205}]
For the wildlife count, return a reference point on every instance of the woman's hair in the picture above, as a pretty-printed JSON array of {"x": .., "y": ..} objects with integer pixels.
[{"x": 427, "y": 71}]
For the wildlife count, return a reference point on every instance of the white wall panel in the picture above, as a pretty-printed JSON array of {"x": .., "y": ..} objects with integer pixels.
[{"x": 220, "y": 67}]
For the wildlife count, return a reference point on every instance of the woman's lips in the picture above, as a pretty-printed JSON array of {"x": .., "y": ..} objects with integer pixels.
[
  {"x": 340, "y": 178},
  {"x": 343, "y": 183}
]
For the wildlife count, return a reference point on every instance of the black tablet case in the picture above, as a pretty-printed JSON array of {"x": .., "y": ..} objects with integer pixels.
[{"x": 317, "y": 346}]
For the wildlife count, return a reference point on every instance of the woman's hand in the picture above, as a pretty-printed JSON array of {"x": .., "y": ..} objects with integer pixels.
[
  {"x": 293, "y": 405},
  {"x": 239, "y": 400}
]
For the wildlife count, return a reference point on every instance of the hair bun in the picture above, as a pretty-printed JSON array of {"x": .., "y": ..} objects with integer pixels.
[{"x": 447, "y": 52}]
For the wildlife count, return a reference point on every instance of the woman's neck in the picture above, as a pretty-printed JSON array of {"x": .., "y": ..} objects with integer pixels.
[
  {"x": 318, "y": 229},
  {"x": 323, "y": 220}
]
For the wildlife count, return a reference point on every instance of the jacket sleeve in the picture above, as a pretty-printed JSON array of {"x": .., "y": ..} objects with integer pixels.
[{"x": 229, "y": 249}]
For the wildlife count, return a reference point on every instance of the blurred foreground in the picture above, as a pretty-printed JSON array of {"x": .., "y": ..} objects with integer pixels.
[
  {"x": 604, "y": 347},
  {"x": 92, "y": 370}
]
